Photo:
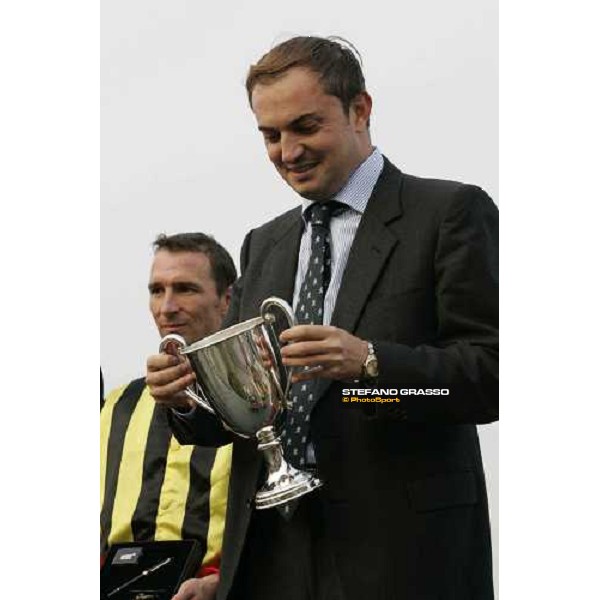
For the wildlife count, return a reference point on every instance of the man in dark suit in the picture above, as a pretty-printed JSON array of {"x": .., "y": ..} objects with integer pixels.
[{"x": 406, "y": 299}]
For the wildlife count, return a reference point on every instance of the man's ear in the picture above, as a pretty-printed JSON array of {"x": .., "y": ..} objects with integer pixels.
[
  {"x": 360, "y": 111},
  {"x": 225, "y": 300}
]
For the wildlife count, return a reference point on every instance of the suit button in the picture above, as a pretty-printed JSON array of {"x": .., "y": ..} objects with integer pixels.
[{"x": 249, "y": 503}]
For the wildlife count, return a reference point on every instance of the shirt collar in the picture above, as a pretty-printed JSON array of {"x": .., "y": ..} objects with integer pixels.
[{"x": 359, "y": 187}]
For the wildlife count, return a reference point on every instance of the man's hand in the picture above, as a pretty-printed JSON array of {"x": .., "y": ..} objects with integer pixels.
[
  {"x": 204, "y": 588},
  {"x": 330, "y": 352},
  {"x": 167, "y": 376}
]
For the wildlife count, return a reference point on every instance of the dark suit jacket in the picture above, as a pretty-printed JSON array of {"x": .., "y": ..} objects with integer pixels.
[{"x": 404, "y": 493}]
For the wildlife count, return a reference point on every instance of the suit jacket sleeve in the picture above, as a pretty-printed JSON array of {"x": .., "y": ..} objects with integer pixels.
[{"x": 464, "y": 357}]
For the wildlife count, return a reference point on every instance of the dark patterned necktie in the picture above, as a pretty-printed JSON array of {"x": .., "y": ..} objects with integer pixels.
[{"x": 309, "y": 311}]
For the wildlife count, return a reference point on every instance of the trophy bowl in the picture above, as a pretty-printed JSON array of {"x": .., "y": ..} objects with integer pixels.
[{"x": 241, "y": 379}]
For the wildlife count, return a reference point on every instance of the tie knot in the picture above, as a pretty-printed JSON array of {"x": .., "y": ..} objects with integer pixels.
[{"x": 320, "y": 213}]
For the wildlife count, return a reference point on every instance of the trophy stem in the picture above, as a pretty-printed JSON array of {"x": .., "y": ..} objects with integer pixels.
[
  {"x": 270, "y": 445},
  {"x": 284, "y": 482}
]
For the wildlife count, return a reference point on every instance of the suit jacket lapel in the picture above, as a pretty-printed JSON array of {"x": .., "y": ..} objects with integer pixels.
[
  {"x": 283, "y": 259},
  {"x": 278, "y": 270},
  {"x": 370, "y": 250}
]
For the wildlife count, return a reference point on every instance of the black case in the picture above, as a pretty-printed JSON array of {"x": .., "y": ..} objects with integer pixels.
[{"x": 186, "y": 558}]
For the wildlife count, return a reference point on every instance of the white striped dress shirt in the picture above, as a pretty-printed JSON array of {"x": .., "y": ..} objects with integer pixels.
[{"x": 355, "y": 194}]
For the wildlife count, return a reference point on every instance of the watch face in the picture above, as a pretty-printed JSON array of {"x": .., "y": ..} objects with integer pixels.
[{"x": 372, "y": 369}]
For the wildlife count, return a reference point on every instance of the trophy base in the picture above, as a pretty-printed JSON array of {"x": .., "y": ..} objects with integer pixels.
[
  {"x": 284, "y": 482},
  {"x": 286, "y": 486}
]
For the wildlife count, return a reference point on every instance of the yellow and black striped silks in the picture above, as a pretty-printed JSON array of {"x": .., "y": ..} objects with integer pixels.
[{"x": 151, "y": 487}]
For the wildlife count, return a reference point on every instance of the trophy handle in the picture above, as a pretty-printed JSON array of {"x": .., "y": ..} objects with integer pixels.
[
  {"x": 267, "y": 314},
  {"x": 280, "y": 304},
  {"x": 174, "y": 344}
]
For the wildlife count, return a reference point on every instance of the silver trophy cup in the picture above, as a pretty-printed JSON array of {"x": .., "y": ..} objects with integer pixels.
[{"x": 242, "y": 380}]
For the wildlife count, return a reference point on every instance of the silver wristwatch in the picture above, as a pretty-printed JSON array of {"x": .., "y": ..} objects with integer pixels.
[{"x": 370, "y": 368}]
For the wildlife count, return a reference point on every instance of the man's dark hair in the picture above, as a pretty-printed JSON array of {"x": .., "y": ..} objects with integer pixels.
[
  {"x": 221, "y": 264},
  {"x": 334, "y": 59}
]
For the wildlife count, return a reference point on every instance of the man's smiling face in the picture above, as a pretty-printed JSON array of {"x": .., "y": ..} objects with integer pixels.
[{"x": 314, "y": 145}]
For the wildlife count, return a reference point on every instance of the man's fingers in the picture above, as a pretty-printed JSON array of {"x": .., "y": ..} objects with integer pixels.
[
  {"x": 175, "y": 388},
  {"x": 163, "y": 391},
  {"x": 204, "y": 588},
  {"x": 158, "y": 362},
  {"x": 300, "y": 349},
  {"x": 309, "y": 361},
  {"x": 306, "y": 333},
  {"x": 166, "y": 383},
  {"x": 167, "y": 377},
  {"x": 340, "y": 354},
  {"x": 170, "y": 374}
]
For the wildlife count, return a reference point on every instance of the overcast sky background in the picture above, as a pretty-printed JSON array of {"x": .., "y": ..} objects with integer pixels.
[{"x": 180, "y": 150}]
